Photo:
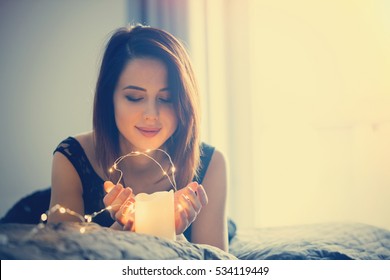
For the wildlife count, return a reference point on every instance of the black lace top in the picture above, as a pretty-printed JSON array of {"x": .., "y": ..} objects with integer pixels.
[{"x": 93, "y": 191}]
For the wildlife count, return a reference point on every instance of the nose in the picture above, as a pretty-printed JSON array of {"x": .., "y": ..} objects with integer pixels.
[{"x": 151, "y": 112}]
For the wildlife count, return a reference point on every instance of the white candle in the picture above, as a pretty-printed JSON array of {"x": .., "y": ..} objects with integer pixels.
[{"x": 155, "y": 214}]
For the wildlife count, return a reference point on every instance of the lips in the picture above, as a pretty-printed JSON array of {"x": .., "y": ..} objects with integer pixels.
[{"x": 148, "y": 131}]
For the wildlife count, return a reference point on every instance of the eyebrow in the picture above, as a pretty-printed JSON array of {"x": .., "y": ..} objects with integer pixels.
[{"x": 142, "y": 89}]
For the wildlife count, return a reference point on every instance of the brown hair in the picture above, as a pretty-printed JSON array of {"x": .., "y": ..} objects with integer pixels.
[{"x": 142, "y": 41}]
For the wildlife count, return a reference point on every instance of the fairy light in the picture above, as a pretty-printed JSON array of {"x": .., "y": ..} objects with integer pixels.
[
  {"x": 171, "y": 178},
  {"x": 62, "y": 210},
  {"x": 44, "y": 217},
  {"x": 88, "y": 218}
]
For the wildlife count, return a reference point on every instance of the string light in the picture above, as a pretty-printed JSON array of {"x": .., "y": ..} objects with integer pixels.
[
  {"x": 88, "y": 218},
  {"x": 62, "y": 210},
  {"x": 171, "y": 179}
]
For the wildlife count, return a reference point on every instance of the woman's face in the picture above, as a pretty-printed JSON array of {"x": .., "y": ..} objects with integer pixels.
[{"x": 144, "y": 112}]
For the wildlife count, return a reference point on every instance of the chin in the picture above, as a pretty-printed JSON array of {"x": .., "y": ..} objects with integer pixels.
[
  {"x": 148, "y": 146},
  {"x": 142, "y": 144}
]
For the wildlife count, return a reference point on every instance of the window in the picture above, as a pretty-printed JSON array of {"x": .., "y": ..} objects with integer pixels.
[{"x": 297, "y": 95}]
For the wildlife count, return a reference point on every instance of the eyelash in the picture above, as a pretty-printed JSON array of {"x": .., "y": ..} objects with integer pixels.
[
  {"x": 165, "y": 100},
  {"x": 132, "y": 99}
]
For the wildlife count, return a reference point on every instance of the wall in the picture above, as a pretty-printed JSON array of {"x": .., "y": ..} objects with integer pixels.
[
  {"x": 321, "y": 94},
  {"x": 297, "y": 95},
  {"x": 49, "y": 54}
]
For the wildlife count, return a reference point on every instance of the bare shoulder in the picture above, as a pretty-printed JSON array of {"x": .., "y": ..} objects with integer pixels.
[
  {"x": 87, "y": 142},
  {"x": 210, "y": 226},
  {"x": 218, "y": 159},
  {"x": 66, "y": 187},
  {"x": 85, "y": 139},
  {"x": 65, "y": 180},
  {"x": 60, "y": 161},
  {"x": 62, "y": 168},
  {"x": 216, "y": 169}
]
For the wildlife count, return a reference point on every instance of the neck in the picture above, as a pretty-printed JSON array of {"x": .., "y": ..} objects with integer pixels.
[
  {"x": 141, "y": 159},
  {"x": 145, "y": 174}
]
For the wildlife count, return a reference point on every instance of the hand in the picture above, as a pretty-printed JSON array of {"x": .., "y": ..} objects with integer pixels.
[
  {"x": 188, "y": 203},
  {"x": 121, "y": 200}
]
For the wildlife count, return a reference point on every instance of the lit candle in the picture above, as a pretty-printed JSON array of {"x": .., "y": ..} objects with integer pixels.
[{"x": 155, "y": 215}]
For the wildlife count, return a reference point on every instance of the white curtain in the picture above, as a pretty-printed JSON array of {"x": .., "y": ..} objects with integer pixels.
[
  {"x": 220, "y": 41},
  {"x": 297, "y": 95}
]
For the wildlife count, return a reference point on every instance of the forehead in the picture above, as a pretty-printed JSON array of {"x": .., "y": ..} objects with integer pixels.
[{"x": 145, "y": 71}]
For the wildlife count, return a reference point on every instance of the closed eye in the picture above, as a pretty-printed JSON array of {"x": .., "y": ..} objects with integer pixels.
[
  {"x": 165, "y": 100},
  {"x": 133, "y": 99}
]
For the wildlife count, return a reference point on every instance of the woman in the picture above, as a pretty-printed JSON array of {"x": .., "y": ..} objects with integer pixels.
[{"x": 146, "y": 99}]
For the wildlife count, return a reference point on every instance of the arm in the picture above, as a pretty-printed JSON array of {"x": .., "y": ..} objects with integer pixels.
[
  {"x": 210, "y": 226},
  {"x": 66, "y": 189}
]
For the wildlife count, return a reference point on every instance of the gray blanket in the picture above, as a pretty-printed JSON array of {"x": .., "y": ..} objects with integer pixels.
[
  {"x": 308, "y": 242},
  {"x": 333, "y": 241},
  {"x": 65, "y": 241}
]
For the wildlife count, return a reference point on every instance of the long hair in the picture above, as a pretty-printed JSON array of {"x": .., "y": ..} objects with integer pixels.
[{"x": 139, "y": 41}]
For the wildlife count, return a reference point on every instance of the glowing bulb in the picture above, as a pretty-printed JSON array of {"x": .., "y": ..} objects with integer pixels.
[
  {"x": 43, "y": 217},
  {"x": 173, "y": 169},
  {"x": 88, "y": 218},
  {"x": 109, "y": 207},
  {"x": 110, "y": 170},
  {"x": 147, "y": 151},
  {"x": 82, "y": 230},
  {"x": 62, "y": 210}
]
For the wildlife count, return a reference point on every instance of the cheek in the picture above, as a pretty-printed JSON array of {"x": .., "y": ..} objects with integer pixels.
[
  {"x": 123, "y": 113},
  {"x": 119, "y": 113},
  {"x": 126, "y": 117},
  {"x": 172, "y": 117},
  {"x": 117, "y": 108}
]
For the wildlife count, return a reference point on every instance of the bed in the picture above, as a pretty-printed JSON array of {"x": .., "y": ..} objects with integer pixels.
[
  {"x": 328, "y": 241},
  {"x": 21, "y": 237}
]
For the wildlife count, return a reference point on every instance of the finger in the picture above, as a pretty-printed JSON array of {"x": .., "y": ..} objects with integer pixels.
[
  {"x": 108, "y": 186},
  {"x": 112, "y": 195},
  {"x": 194, "y": 185},
  {"x": 190, "y": 193},
  {"x": 121, "y": 198},
  {"x": 125, "y": 212},
  {"x": 202, "y": 195},
  {"x": 129, "y": 226},
  {"x": 196, "y": 203},
  {"x": 188, "y": 208},
  {"x": 181, "y": 221}
]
